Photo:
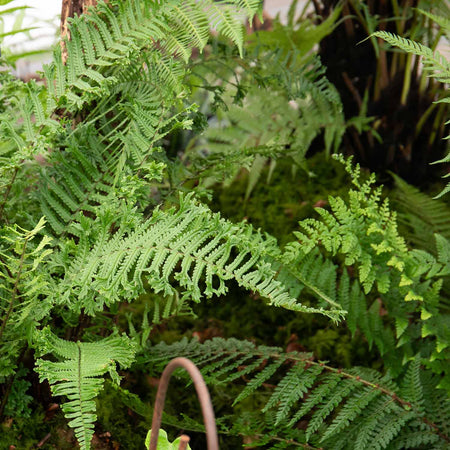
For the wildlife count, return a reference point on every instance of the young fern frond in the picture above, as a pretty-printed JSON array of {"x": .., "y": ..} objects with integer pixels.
[
  {"x": 79, "y": 376},
  {"x": 336, "y": 404}
]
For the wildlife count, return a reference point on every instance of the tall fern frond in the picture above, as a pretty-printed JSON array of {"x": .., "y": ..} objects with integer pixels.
[
  {"x": 336, "y": 404},
  {"x": 436, "y": 64},
  {"x": 79, "y": 376}
]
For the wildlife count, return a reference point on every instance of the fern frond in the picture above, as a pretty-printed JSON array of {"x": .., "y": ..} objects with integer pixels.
[
  {"x": 187, "y": 245},
  {"x": 78, "y": 375},
  {"x": 420, "y": 215},
  {"x": 434, "y": 62},
  {"x": 23, "y": 289},
  {"x": 341, "y": 407}
]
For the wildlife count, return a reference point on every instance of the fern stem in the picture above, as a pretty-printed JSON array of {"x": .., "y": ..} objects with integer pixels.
[
  {"x": 404, "y": 403},
  {"x": 80, "y": 395},
  {"x": 406, "y": 80}
]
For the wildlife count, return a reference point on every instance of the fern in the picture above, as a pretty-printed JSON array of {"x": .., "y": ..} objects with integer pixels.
[
  {"x": 79, "y": 375},
  {"x": 363, "y": 232},
  {"x": 89, "y": 149},
  {"x": 298, "y": 94},
  {"x": 356, "y": 408},
  {"x": 420, "y": 215},
  {"x": 23, "y": 283},
  {"x": 434, "y": 63},
  {"x": 189, "y": 245}
]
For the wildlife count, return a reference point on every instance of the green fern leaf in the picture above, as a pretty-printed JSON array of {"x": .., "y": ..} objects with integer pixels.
[{"x": 78, "y": 376}]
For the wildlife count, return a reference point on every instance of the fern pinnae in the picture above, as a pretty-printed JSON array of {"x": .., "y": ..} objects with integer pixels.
[
  {"x": 222, "y": 366},
  {"x": 257, "y": 381},
  {"x": 294, "y": 385},
  {"x": 328, "y": 383},
  {"x": 350, "y": 410}
]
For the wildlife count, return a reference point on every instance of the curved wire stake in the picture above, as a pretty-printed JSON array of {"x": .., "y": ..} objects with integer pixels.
[{"x": 202, "y": 394}]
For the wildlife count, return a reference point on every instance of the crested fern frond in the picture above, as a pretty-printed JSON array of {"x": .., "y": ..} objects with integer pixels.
[
  {"x": 349, "y": 408},
  {"x": 364, "y": 231},
  {"x": 187, "y": 245},
  {"x": 79, "y": 375}
]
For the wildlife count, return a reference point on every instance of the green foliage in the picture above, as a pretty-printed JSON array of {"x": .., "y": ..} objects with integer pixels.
[
  {"x": 343, "y": 409},
  {"x": 78, "y": 376},
  {"x": 362, "y": 234},
  {"x": 299, "y": 101},
  {"x": 420, "y": 215},
  {"x": 22, "y": 286},
  {"x": 18, "y": 403},
  {"x": 163, "y": 441},
  {"x": 434, "y": 63},
  {"x": 94, "y": 150}
]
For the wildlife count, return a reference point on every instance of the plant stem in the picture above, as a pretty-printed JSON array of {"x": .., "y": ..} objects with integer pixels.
[{"x": 406, "y": 80}]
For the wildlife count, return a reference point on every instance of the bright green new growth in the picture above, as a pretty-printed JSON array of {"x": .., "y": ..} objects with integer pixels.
[{"x": 163, "y": 441}]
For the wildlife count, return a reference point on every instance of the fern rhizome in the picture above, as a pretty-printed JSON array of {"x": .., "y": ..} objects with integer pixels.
[{"x": 95, "y": 211}]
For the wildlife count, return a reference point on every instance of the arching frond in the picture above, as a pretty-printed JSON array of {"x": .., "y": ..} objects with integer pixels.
[
  {"x": 184, "y": 248},
  {"x": 338, "y": 409}
]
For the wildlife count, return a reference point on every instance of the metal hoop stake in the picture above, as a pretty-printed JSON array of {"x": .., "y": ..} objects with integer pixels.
[{"x": 203, "y": 396}]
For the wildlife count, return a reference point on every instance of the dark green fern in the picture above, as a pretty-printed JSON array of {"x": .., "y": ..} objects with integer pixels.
[{"x": 352, "y": 409}]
